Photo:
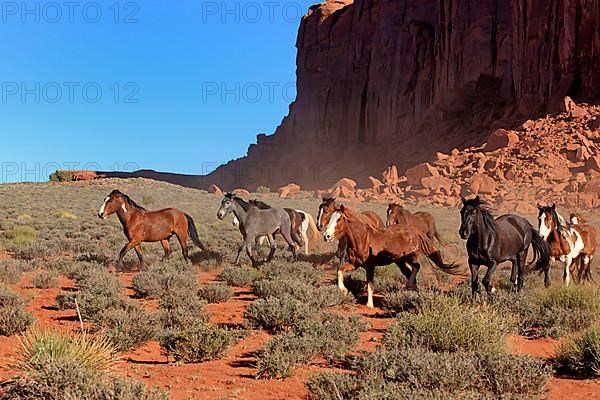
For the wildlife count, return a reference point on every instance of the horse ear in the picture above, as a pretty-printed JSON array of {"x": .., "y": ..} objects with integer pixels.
[
  {"x": 464, "y": 201},
  {"x": 553, "y": 206},
  {"x": 540, "y": 207},
  {"x": 342, "y": 208},
  {"x": 477, "y": 199}
]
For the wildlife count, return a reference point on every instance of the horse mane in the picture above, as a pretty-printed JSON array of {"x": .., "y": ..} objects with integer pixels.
[
  {"x": 328, "y": 200},
  {"x": 245, "y": 205},
  {"x": 486, "y": 214},
  {"x": 561, "y": 223},
  {"x": 129, "y": 200},
  {"x": 260, "y": 204}
]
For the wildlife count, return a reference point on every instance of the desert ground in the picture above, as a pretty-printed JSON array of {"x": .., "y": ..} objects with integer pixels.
[{"x": 281, "y": 331}]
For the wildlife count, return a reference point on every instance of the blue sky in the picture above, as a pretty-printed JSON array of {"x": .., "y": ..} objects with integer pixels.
[{"x": 171, "y": 86}]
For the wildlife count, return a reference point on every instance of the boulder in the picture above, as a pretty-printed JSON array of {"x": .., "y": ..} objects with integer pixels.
[
  {"x": 482, "y": 184},
  {"x": 571, "y": 108},
  {"x": 376, "y": 184},
  {"x": 241, "y": 192},
  {"x": 438, "y": 183},
  {"x": 592, "y": 164},
  {"x": 345, "y": 183},
  {"x": 289, "y": 189},
  {"x": 500, "y": 139},
  {"x": 416, "y": 174},
  {"x": 216, "y": 190}
]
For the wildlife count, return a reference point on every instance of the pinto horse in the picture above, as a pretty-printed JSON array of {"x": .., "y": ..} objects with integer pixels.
[
  {"x": 369, "y": 247},
  {"x": 590, "y": 240},
  {"x": 396, "y": 214},
  {"x": 141, "y": 225},
  {"x": 326, "y": 210},
  {"x": 492, "y": 241},
  {"x": 566, "y": 243}
]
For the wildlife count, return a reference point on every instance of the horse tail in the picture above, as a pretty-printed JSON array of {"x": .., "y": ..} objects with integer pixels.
[
  {"x": 312, "y": 226},
  {"x": 193, "y": 233},
  {"x": 541, "y": 253},
  {"x": 437, "y": 236},
  {"x": 428, "y": 248}
]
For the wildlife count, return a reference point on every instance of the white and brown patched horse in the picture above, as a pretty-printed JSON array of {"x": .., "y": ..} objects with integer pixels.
[
  {"x": 590, "y": 240},
  {"x": 566, "y": 243}
]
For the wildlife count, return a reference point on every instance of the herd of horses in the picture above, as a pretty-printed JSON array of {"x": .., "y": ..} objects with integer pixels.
[{"x": 364, "y": 240}]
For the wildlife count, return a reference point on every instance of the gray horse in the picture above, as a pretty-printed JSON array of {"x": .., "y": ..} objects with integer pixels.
[{"x": 255, "y": 222}]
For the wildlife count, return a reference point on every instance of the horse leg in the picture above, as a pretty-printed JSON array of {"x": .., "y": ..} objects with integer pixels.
[
  {"x": 341, "y": 252},
  {"x": 521, "y": 260},
  {"x": 123, "y": 253},
  {"x": 287, "y": 235},
  {"x": 513, "y": 273},
  {"x": 370, "y": 276},
  {"x": 138, "y": 251},
  {"x": 340, "y": 275},
  {"x": 303, "y": 232},
  {"x": 248, "y": 246},
  {"x": 487, "y": 279},
  {"x": 183, "y": 243},
  {"x": 412, "y": 280},
  {"x": 474, "y": 280},
  {"x": 404, "y": 269},
  {"x": 167, "y": 248},
  {"x": 273, "y": 245},
  {"x": 567, "y": 273}
]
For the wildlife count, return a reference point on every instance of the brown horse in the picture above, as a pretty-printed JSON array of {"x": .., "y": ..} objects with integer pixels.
[
  {"x": 369, "y": 247},
  {"x": 326, "y": 210},
  {"x": 589, "y": 235},
  {"x": 141, "y": 225},
  {"x": 396, "y": 214}
]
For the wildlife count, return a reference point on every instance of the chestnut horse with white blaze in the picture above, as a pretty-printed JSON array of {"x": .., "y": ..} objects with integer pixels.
[
  {"x": 396, "y": 214},
  {"x": 326, "y": 210},
  {"x": 369, "y": 247},
  {"x": 141, "y": 225}
]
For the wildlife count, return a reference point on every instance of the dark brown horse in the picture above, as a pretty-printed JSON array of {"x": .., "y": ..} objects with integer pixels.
[
  {"x": 396, "y": 214},
  {"x": 369, "y": 247},
  {"x": 141, "y": 225},
  {"x": 326, "y": 210},
  {"x": 492, "y": 241}
]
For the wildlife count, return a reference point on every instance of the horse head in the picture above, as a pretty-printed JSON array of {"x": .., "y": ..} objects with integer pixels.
[
  {"x": 227, "y": 205},
  {"x": 392, "y": 218},
  {"x": 332, "y": 229},
  {"x": 548, "y": 220},
  {"x": 112, "y": 203},
  {"x": 326, "y": 209},
  {"x": 468, "y": 215}
]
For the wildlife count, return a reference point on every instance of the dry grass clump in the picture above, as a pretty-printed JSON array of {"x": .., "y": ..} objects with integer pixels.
[
  {"x": 580, "y": 354},
  {"x": 215, "y": 293},
  {"x": 13, "y": 316}
]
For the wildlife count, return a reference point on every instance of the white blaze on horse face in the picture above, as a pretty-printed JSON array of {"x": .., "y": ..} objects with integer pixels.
[
  {"x": 574, "y": 220},
  {"x": 101, "y": 211},
  {"x": 330, "y": 230},
  {"x": 544, "y": 230}
]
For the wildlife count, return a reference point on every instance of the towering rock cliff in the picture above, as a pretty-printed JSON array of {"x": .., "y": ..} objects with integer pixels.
[{"x": 394, "y": 81}]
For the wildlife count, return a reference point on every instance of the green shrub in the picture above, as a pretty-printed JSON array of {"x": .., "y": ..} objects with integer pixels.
[
  {"x": 263, "y": 189},
  {"x": 159, "y": 278},
  {"x": 417, "y": 373},
  {"x": 57, "y": 366},
  {"x": 277, "y": 314},
  {"x": 127, "y": 327},
  {"x": 148, "y": 200},
  {"x": 559, "y": 311},
  {"x": 13, "y": 316},
  {"x": 279, "y": 269},
  {"x": 316, "y": 297},
  {"x": 45, "y": 279},
  {"x": 11, "y": 271},
  {"x": 197, "y": 342},
  {"x": 446, "y": 325},
  {"x": 580, "y": 355},
  {"x": 327, "y": 335},
  {"x": 180, "y": 308},
  {"x": 239, "y": 276},
  {"x": 66, "y": 300},
  {"x": 21, "y": 235},
  {"x": 215, "y": 292}
]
